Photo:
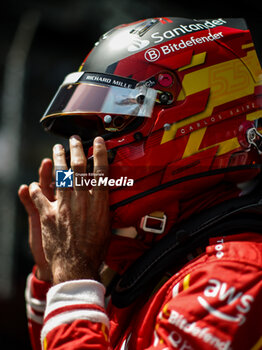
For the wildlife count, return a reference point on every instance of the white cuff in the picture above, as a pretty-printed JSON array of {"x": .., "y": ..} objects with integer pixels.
[
  {"x": 33, "y": 305},
  {"x": 74, "y": 300},
  {"x": 75, "y": 292}
]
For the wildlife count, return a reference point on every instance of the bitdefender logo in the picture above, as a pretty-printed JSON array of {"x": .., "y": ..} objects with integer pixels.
[{"x": 153, "y": 54}]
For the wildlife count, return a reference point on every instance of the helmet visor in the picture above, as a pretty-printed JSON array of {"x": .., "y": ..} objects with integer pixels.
[{"x": 80, "y": 95}]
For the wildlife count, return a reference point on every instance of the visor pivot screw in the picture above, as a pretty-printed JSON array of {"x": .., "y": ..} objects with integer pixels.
[
  {"x": 164, "y": 98},
  {"x": 140, "y": 99},
  {"x": 167, "y": 126},
  {"x": 107, "y": 119},
  {"x": 138, "y": 136}
]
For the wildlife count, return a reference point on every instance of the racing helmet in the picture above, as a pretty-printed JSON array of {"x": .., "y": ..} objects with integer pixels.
[{"x": 178, "y": 102}]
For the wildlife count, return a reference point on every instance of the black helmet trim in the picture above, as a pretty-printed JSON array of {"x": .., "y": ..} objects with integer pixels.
[{"x": 107, "y": 79}]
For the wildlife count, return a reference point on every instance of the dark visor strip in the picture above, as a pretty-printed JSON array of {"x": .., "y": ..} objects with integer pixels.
[{"x": 108, "y": 79}]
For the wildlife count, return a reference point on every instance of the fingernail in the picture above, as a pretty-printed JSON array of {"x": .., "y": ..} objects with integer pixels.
[
  {"x": 33, "y": 186},
  {"x": 99, "y": 140},
  {"x": 74, "y": 139},
  {"x": 21, "y": 186},
  {"x": 57, "y": 148}
]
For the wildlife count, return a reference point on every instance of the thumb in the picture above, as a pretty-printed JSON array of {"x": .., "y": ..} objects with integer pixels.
[
  {"x": 38, "y": 198},
  {"x": 26, "y": 200}
]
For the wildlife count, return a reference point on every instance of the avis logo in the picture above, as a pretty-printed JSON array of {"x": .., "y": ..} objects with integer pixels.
[
  {"x": 137, "y": 44},
  {"x": 64, "y": 178},
  {"x": 237, "y": 302}
]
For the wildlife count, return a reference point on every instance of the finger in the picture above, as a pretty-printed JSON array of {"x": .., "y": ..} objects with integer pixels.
[
  {"x": 100, "y": 163},
  {"x": 60, "y": 165},
  {"x": 45, "y": 178},
  {"x": 59, "y": 157},
  {"x": 78, "y": 164},
  {"x": 26, "y": 200},
  {"x": 38, "y": 198},
  {"x": 77, "y": 155},
  {"x": 100, "y": 156}
]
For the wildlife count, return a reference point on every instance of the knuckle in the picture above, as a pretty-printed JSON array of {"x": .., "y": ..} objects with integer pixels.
[
  {"x": 99, "y": 171},
  {"x": 34, "y": 191},
  {"x": 60, "y": 153},
  {"x": 75, "y": 143},
  {"x": 58, "y": 150},
  {"x": 78, "y": 161},
  {"x": 99, "y": 151}
]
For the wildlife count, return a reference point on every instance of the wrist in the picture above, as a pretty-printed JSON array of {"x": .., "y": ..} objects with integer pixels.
[
  {"x": 43, "y": 273},
  {"x": 63, "y": 271}
]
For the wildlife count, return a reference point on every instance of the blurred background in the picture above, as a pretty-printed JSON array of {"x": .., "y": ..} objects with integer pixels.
[{"x": 40, "y": 42}]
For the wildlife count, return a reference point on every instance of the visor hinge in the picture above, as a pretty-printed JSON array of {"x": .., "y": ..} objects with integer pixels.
[
  {"x": 254, "y": 138},
  {"x": 154, "y": 222}
]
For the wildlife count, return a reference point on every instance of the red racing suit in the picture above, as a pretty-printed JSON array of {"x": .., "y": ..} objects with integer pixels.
[{"x": 213, "y": 302}]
